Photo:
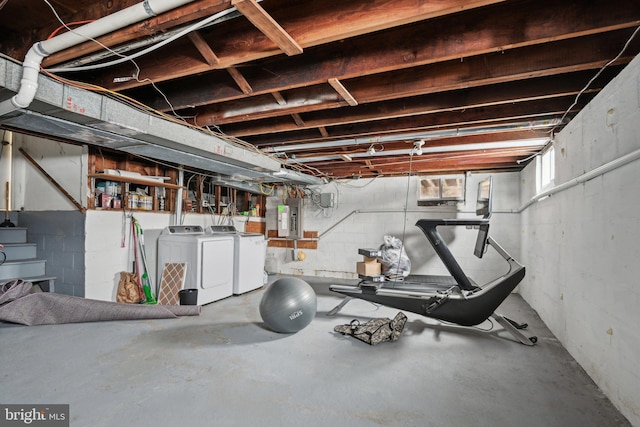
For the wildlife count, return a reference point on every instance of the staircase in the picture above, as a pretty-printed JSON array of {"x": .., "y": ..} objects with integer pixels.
[{"x": 21, "y": 262}]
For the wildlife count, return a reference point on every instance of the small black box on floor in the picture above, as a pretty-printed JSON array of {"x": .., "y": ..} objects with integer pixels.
[{"x": 370, "y": 253}]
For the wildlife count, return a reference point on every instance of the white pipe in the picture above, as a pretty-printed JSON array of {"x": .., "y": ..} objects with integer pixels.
[
  {"x": 6, "y": 174},
  {"x": 148, "y": 50},
  {"x": 179, "y": 195},
  {"x": 600, "y": 170},
  {"x": 527, "y": 125},
  {"x": 419, "y": 149},
  {"x": 363, "y": 211},
  {"x": 115, "y": 21},
  {"x": 153, "y": 40}
]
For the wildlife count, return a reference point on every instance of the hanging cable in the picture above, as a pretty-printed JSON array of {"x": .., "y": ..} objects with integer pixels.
[
  {"x": 125, "y": 58},
  {"x": 396, "y": 276},
  {"x": 575, "y": 102}
]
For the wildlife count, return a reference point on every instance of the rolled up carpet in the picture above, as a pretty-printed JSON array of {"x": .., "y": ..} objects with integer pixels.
[{"x": 19, "y": 305}]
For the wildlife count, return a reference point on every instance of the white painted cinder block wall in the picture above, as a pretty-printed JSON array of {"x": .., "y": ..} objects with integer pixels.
[
  {"x": 105, "y": 257},
  {"x": 375, "y": 208},
  {"x": 582, "y": 245}
]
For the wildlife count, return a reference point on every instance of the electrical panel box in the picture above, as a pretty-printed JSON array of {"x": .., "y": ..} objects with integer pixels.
[
  {"x": 327, "y": 200},
  {"x": 283, "y": 221},
  {"x": 295, "y": 218}
]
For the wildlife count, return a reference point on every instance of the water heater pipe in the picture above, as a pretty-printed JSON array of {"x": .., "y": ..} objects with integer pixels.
[{"x": 40, "y": 50}]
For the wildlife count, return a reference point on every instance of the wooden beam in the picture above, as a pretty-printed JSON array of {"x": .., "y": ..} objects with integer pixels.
[
  {"x": 267, "y": 25},
  {"x": 70, "y": 5},
  {"x": 326, "y": 110},
  {"x": 204, "y": 48},
  {"x": 311, "y": 23},
  {"x": 323, "y": 132},
  {"x": 450, "y": 38},
  {"x": 279, "y": 98},
  {"x": 515, "y": 65},
  {"x": 187, "y": 13},
  {"x": 545, "y": 108},
  {"x": 242, "y": 83},
  {"x": 298, "y": 120},
  {"x": 309, "y": 240},
  {"x": 301, "y": 244},
  {"x": 343, "y": 92},
  {"x": 261, "y": 106},
  {"x": 52, "y": 181},
  {"x": 452, "y": 162}
]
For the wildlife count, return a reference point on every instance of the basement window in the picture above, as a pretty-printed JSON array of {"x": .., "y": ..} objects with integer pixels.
[
  {"x": 546, "y": 170},
  {"x": 440, "y": 190}
]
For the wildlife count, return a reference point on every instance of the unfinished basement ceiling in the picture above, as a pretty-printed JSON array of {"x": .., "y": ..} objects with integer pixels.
[{"x": 346, "y": 88}]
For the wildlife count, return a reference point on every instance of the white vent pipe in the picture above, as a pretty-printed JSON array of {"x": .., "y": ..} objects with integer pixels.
[
  {"x": 40, "y": 50},
  {"x": 594, "y": 173}
]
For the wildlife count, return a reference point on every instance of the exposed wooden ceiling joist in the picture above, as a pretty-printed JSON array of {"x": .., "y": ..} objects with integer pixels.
[
  {"x": 327, "y": 78},
  {"x": 309, "y": 23},
  {"x": 268, "y": 26},
  {"x": 483, "y": 32}
]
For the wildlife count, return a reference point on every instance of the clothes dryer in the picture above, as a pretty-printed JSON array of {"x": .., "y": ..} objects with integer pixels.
[
  {"x": 249, "y": 257},
  {"x": 209, "y": 258}
]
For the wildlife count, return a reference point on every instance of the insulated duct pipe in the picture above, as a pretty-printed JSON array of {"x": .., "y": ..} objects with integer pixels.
[{"x": 42, "y": 49}]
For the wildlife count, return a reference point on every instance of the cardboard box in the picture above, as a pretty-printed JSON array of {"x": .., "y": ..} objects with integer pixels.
[{"x": 369, "y": 268}]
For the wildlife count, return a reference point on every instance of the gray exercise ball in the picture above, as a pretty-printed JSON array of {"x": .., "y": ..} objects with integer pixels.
[{"x": 288, "y": 305}]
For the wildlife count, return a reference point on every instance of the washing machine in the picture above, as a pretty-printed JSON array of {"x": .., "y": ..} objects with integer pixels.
[
  {"x": 249, "y": 257},
  {"x": 209, "y": 258}
]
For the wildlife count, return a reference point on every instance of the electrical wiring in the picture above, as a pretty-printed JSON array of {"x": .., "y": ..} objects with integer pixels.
[
  {"x": 600, "y": 71},
  {"x": 347, "y": 184},
  {"x": 271, "y": 189},
  {"x": 150, "y": 49},
  {"x": 300, "y": 166},
  {"x": 399, "y": 277},
  {"x": 478, "y": 328},
  {"x": 136, "y": 104},
  {"x": 99, "y": 56},
  {"x": 66, "y": 26},
  {"x": 427, "y": 158},
  {"x": 136, "y": 74}
]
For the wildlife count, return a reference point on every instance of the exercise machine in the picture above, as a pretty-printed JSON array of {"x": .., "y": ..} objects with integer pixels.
[{"x": 456, "y": 298}]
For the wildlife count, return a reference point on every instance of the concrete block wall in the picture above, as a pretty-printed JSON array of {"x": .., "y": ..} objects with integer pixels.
[
  {"x": 367, "y": 210},
  {"x": 581, "y": 244},
  {"x": 59, "y": 236},
  {"x": 105, "y": 257}
]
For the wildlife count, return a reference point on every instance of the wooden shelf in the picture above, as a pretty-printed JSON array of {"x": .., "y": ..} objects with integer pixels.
[{"x": 134, "y": 180}]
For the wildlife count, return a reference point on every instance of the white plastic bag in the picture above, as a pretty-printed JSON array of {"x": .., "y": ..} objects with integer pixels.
[{"x": 395, "y": 261}]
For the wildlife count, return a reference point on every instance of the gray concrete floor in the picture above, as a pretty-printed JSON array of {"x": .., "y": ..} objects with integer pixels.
[{"x": 225, "y": 368}]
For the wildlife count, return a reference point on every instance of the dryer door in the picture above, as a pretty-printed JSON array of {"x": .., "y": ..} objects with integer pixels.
[{"x": 217, "y": 263}]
